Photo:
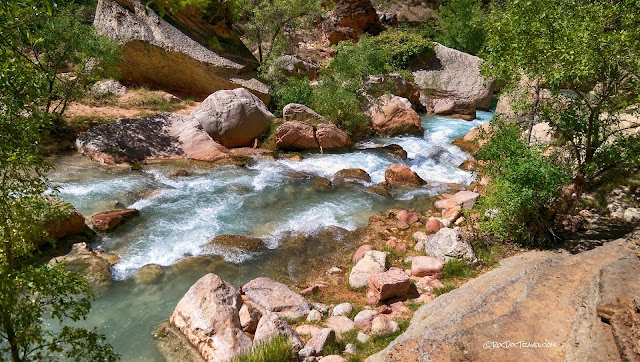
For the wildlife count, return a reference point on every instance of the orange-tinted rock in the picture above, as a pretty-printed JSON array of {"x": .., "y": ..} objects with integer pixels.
[
  {"x": 294, "y": 135},
  {"x": 111, "y": 219},
  {"x": 433, "y": 225},
  {"x": 402, "y": 175},
  {"x": 392, "y": 283},
  {"x": 70, "y": 224},
  {"x": 395, "y": 115},
  {"x": 360, "y": 252},
  {"x": 330, "y": 136}
]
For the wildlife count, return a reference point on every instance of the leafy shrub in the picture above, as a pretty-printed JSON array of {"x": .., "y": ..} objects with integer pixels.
[
  {"x": 277, "y": 349},
  {"x": 462, "y": 25},
  {"x": 524, "y": 185},
  {"x": 406, "y": 48},
  {"x": 292, "y": 91}
]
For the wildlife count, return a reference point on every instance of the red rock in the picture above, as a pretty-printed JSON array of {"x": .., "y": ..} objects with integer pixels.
[
  {"x": 402, "y": 175},
  {"x": 391, "y": 243},
  {"x": 407, "y": 217},
  {"x": 401, "y": 246},
  {"x": 330, "y": 136},
  {"x": 402, "y": 225},
  {"x": 422, "y": 266},
  {"x": 70, "y": 224},
  {"x": 456, "y": 108},
  {"x": 110, "y": 219},
  {"x": 389, "y": 284},
  {"x": 294, "y": 135},
  {"x": 359, "y": 254},
  {"x": 394, "y": 115},
  {"x": 384, "y": 309},
  {"x": 429, "y": 283},
  {"x": 433, "y": 225}
]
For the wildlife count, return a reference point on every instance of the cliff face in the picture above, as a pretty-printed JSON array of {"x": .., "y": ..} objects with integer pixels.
[{"x": 193, "y": 51}]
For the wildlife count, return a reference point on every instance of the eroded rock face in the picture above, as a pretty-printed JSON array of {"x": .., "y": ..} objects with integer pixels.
[
  {"x": 542, "y": 297},
  {"x": 349, "y": 19},
  {"x": 70, "y": 222},
  {"x": 235, "y": 118},
  {"x": 455, "y": 75},
  {"x": 190, "y": 50},
  {"x": 207, "y": 316},
  {"x": 295, "y": 135},
  {"x": 393, "y": 116},
  {"x": 276, "y": 297},
  {"x": 166, "y": 136}
]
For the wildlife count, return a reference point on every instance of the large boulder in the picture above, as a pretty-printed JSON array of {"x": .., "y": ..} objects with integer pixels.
[
  {"x": 400, "y": 175},
  {"x": 449, "y": 244},
  {"x": 207, "y": 316},
  {"x": 163, "y": 136},
  {"x": 190, "y": 50},
  {"x": 235, "y": 118},
  {"x": 291, "y": 65},
  {"x": 357, "y": 175},
  {"x": 330, "y": 136},
  {"x": 295, "y": 135},
  {"x": 455, "y": 75},
  {"x": 455, "y": 108},
  {"x": 68, "y": 222},
  {"x": 393, "y": 115},
  {"x": 372, "y": 262},
  {"x": 551, "y": 306},
  {"x": 272, "y": 325},
  {"x": 276, "y": 297}
]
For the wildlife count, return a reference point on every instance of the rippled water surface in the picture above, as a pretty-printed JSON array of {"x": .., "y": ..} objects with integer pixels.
[{"x": 270, "y": 199}]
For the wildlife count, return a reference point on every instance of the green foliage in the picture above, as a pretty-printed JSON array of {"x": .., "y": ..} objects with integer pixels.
[
  {"x": 456, "y": 268},
  {"x": 444, "y": 290},
  {"x": 588, "y": 54},
  {"x": 462, "y": 25},
  {"x": 277, "y": 349},
  {"x": 38, "y": 40},
  {"x": 265, "y": 23},
  {"x": 406, "y": 48},
  {"x": 524, "y": 185},
  {"x": 294, "y": 90}
]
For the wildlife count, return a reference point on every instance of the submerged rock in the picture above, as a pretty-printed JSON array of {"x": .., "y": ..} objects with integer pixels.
[
  {"x": 96, "y": 265},
  {"x": 191, "y": 50},
  {"x": 351, "y": 175},
  {"x": 207, "y": 316},
  {"x": 237, "y": 241},
  {"x": 166, "y": 136},
  {"x": 235, "y": 118},
  {"x": 580, "y": 306}
]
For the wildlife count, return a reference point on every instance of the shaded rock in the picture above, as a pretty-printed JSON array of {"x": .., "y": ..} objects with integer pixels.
[
  {"x": 249, "y": 315},
  {"x": 396, "y": 150},
  {"x": 350, "y": 348},
  {"x": 179, "y": 173},
  {"x": 234, "y": 118},
  {"x": 351, "y": 175},
  {"x": 207, "y": 316},
  {"x": 455, "y": 108},
  {"x": 321, "y": 340},
  {"x": 276, "y": 297},
  {"x": 69, "y": 222},
  {"x": 433, "y": 225},
  {"x": 397, "y": 175},
  {"x": 148, "y": 274},
  {"x": 359, "y": 253},
  {"x": 174, "y": 346},
  {"x": 381, "y": 189},
  {"x": 330, "y": 136},
  {"x": 108, "y": 87},
  {"x": 447, "y": 244},
  {"x": 322, "y": 308},
  {"x": 632, "y": 214},
  {"x": 321, "y": 183},
  {"x": 307, "y": 352},
  {"x": 292, "y": 65},
  {"x": 96, "y": 265},
  {"x": 342, "y": 309},
  {"x": 393, "y": 283},
  {"x": 383, "y": 326},
  {"x": 271, "y": 325},
  {"x": 166, "y": 136},
  {"x": 421, "y": 266},
  {"x": 568, "y": 295},
  {"x": 349, "y": 19},
  {"x": 393, "y": 116},
  {"x": 294, "y": 135},
  {"x": 157, "y": 50},
  {"x": 109, "y": 220},
  {"x": 394, "y": 84},
  {"x": 373, "y": 262},
  {"x": 340, "y": 324},
  {"x": 472, "y": 141},
  {"x": 237, "y": 241},
  {"x": 454, "y": 74},
  {"x": 301, "y": 113}
]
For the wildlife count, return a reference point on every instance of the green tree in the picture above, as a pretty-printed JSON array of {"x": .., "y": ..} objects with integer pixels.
[
  {"x": 461, "y": 25},
  {"x": 39, "y": 39},
  {"x": 587, "y": 53},
  {"x": 266, "y": 23}
]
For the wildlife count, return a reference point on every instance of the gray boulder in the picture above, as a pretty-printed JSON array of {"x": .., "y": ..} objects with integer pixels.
[
  {"x": 108, "y": 87},
  {"x": 276, "y": 297},
  {"x": 456, "y": 75},
  {"x": 235, "y": 118},
  {"x": 271, "y": 325},
  {"x": 447, "y": 244},
  {"x": 190, "y": 50},
  {"x": 302, "y": 113}
]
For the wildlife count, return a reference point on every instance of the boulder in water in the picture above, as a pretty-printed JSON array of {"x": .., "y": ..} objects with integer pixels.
[
  {"x": 393, "y": 115},
  {"x": 455, "y": 108},
  {"x": 69, "y": 222},
  {"x": 109, "y": 220},
  {"x": 397, "y": 175},
  {"x": 295, "y": 135},
  {"x": 235, "y": 118},
  {"x": 96, "y": 265},
  {"x": 237, "y": 241},
  {"x": 330, "y": 136},
  {"x": 351, "y": 175}
]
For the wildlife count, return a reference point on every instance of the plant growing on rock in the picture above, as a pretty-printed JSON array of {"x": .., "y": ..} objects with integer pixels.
[
  {"x": 587, "y": 54},
  {"x": 38, "y": 38}
]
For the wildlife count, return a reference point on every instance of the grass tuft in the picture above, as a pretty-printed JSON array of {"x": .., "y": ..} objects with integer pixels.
[{"x": 277, "y": 349}]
